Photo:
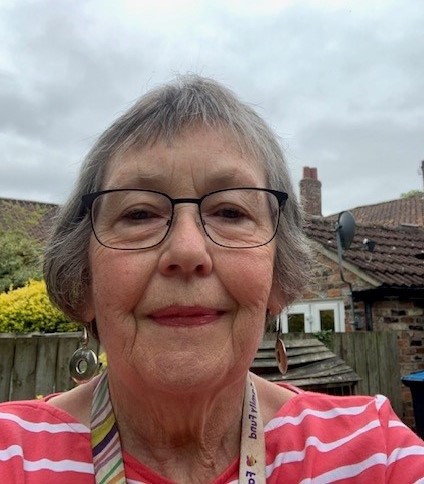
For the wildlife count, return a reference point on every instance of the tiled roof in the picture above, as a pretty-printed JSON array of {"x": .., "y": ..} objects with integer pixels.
[
  {"x": 394, "y": 213},
  {"x": 34, "y": 218},
  {"x": 398, "y": 258}
]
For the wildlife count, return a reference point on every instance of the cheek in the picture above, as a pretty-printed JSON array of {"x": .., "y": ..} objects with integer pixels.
[
  {"x": 117, "y": 282},
  {"x": 248, "y": 277}
]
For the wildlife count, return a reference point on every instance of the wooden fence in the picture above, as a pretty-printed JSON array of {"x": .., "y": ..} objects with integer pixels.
[
  {"x": 38, "y": 364},
  {"x": 35, "y": 364},
  {"x": 375, "y": 358}
]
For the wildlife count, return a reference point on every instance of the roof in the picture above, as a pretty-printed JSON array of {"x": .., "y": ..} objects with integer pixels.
[
  {"x": 311, "y": 364},
  {"x": 394, "y": 213},
  {"x": 32, "y": 218},
  {"x": 398, "y": 257}
]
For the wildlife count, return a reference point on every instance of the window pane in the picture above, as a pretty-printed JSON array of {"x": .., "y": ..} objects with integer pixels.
[
  {"x": 326, "y": 317},
  {"x": 296, "y": 322}
]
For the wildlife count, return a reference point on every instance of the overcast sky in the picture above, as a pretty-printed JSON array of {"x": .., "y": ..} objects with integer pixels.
[{"x": 341, "y": 82}]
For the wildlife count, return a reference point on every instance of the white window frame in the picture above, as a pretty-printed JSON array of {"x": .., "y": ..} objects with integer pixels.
[{"x": 311, "y": 311}]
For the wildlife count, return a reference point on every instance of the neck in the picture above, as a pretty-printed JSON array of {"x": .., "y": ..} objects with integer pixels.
[{"x": 180, "y": 436}]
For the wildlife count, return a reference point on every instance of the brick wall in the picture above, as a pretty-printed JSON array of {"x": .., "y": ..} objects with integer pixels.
[
  {"x": 406, "y": 318},
  {"x": 327, "y": 284}
]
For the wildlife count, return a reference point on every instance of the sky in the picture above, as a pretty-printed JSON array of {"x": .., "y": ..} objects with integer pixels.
[{"x": 340, "y": 82}]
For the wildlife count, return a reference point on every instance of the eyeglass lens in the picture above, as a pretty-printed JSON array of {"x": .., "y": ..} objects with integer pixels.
[{"x": 137, "y": 219}]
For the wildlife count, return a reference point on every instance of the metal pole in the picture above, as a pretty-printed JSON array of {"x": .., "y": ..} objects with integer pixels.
[{"x": 339, "y": 253}]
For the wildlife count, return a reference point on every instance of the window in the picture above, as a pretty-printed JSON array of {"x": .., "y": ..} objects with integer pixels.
[
  {"x": 296, "y": 322},
  {"x": 312, "y": 316}
]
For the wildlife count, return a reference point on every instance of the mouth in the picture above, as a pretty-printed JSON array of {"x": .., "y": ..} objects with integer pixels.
[{"x": 180, "y": 316}]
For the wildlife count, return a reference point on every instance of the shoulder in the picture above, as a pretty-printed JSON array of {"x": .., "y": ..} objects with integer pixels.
[
  {"x": 340, "y": 435},
  {"x": 37, "y": 438},
  {"x": 312, "y": 408},
  {"x": 76, "y": 402},
  {"x": 33, "y": 417},
  {"x": 272, "y": 397}
]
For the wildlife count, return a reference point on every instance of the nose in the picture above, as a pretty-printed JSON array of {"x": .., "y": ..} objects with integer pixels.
[{"x": 185, "y": 251}]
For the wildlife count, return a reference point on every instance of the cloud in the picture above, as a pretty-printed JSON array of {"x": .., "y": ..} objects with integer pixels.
[{"x": 340, "y": 82}]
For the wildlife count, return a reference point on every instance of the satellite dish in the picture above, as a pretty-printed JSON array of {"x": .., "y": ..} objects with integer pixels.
[{"x": 346, "y": 229}]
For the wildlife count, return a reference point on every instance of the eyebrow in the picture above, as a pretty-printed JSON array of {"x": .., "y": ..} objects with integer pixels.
[{"x": 156, "y": 181}]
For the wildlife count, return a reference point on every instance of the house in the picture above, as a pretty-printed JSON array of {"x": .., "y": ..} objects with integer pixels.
[
  {"x": 384, "y": 270},
  {"x": 384, "y": 265}
]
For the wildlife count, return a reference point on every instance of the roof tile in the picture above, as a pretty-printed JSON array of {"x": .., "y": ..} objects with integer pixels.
[
  {"x": 394, "y": 213},
  {"x": 394, "y": 261}
]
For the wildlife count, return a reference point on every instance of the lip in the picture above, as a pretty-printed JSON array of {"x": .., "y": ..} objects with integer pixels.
[{"x": 186, "y": 316}]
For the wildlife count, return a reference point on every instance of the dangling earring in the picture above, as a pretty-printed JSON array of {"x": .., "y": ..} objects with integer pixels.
[
  {"x": 281, "y": 355},
  {"x": 83, "y": 364},
  {"x": 280, "y": 351}
]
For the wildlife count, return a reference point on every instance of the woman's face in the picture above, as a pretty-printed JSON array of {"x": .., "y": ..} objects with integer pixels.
[{"x": 187, "y": 313}]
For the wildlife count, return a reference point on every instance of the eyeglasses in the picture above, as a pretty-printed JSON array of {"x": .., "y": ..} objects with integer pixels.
[{"x": 132, "y": 219}]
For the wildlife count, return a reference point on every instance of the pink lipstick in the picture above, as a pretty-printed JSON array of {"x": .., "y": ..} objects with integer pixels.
[{"x": 185, "y": 316}]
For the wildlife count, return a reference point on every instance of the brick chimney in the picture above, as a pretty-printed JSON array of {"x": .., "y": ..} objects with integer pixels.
[{"x": 310, "y": 192}]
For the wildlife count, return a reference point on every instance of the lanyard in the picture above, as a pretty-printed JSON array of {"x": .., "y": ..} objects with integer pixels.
[
  {"x": 106, "y": 446},
  {"x": 252, "y": 451}
]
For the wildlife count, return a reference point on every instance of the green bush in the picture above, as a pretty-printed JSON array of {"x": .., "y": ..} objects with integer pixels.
[
  {"x": 326, "y": 336},
  {"x": 28, "y": 309},
  {"x": 20, "y": 260}
]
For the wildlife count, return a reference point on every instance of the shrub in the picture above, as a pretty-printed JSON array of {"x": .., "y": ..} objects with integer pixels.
[
  {"x": 20, "y": 260},
  {"x": 28, "y": 309},
  {"x": 326, "y": 336}
]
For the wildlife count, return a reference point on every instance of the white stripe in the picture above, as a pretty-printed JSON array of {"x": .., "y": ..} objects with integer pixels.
[
  {"x": 65, "y": 465},
  {"x": 44, "y": 426},
  {"x": 346, "y": 472},
  {"x": 9, "y": 452},
  {"x": 402, "y": 452},
  {"x": 397, "y": 423},
  {"x": 299, "y": 455},
  {"x": 380, "y": 400},
  {"x": 323, "y": 414}
]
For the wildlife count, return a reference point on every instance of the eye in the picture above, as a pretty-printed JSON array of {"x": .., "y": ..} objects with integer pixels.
[
  {"x": 229, "y": 212},
  {"x": 143, "y": 215},
  {"x": 139, "y": 214}
]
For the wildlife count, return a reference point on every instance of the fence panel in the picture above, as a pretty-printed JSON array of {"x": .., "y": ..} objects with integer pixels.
[
  {"x": 46, "y": 365},
  {"x": 375, "y": 358},
  {"x": 7, "y": 351},
  {"x": 24, "y": 369},
  {"x": 36, "y": 364}
]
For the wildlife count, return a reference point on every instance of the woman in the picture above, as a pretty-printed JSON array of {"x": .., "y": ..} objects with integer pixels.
[{"x": 175, "y": 248}]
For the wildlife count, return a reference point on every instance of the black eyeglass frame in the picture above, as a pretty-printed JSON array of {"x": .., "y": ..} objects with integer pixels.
[{"x": 88, "y": 199}]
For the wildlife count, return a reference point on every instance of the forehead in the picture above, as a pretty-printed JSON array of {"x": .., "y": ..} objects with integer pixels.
[{"x": 198, "y": 158}]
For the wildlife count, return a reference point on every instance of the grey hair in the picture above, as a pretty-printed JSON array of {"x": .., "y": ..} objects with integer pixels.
[{"x": 163, "y": 114}]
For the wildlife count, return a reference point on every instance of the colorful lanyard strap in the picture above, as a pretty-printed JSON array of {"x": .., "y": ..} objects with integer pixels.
[{"x": 106, "y": 445}]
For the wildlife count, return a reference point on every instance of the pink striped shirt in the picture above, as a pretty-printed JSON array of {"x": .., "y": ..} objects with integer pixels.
[{"x": 313, "y": 438}]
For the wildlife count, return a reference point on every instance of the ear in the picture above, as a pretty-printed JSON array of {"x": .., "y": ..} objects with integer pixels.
[{"x": 276, "y": 299}]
